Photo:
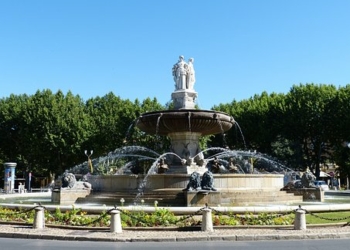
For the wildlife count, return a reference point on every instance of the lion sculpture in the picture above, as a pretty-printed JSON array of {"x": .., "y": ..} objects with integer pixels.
[{"x": 194, "y": 183}]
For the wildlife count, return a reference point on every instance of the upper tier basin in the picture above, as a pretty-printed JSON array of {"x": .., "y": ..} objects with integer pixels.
[{"x": 205, "y": 122}]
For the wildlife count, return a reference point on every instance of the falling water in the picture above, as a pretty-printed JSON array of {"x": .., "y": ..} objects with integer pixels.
[
  {"x": 158, "y": 120},
  {"x": 127, "y": 135},
  {"x": 133, "y": 154},
  {"x": 240, "y": 130},
  {"x": 152, "y": 170},
  {"x": 112, "y": 158},
  {"x": 224, "y": 155},
  {"x": 216, "y": 116}
]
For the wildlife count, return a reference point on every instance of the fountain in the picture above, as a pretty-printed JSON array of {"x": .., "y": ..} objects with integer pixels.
[{"x": 167, "y": 180}]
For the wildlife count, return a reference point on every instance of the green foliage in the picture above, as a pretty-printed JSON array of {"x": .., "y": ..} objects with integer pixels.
[
  {"x": 48, "y": 132},
  {"x": 230, "y": 220},
  {"x": 305, "y": 127},
  {"x": 74, "y": 217},
  {"x": 161, "y": 217},
  {"x": 253, "y": 219},
  {"x": 307, "y": 111},
  {"x": 43, "y": 132},
  {"x": 16, "y": 215}
]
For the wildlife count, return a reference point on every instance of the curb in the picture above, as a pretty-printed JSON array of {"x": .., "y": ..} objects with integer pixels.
[
  {"x": 114, "y": 238},
  {"x": 143, "y": 236}
]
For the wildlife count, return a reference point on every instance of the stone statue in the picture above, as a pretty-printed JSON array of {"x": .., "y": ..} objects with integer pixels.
[
  {"x": 135, "y": 167},
  {"x": 186, "y": 152},
  {"x": 248, "y": 167},
  {"x": 215, "y": 166},
  {"x": 307, "y": 179},
  {"x": 68, "y": 180},
  {"x": 232, "y": 166},
  {"x": 208, "y": 181},
  {"x": 194, "y": 183},
  {"x": 190, "y": 74},
  {"x": 162, "y": 166},
  {"x": 199, "y": 159},
  {"x": 184, "y": 74}
]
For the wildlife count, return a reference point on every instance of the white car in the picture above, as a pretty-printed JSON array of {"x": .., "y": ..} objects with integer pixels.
[{"x": 321, "y": 184}]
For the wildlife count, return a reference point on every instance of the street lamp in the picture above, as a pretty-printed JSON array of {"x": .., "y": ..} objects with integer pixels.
[{"x": 89, "y": 160}]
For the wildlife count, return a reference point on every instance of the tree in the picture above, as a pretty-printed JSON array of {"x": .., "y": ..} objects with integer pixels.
[
  {"x": 12, "y": 129},
  {"x": 111, "y": 117},
  {"x": 340, "y": 132},
  {"x": 44, "y": 132},
  {"x": 256, "y": 120},
  {"x": 137, "y": 137},
  {"x": 57, "y": 127},
  {"x": 306, "y": 122}
]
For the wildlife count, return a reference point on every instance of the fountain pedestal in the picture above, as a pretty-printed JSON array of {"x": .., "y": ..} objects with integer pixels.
[
  {"x": 308, "y": 194},
  {"x": 167, "y": 190},
  {"x": 184, "y": 99},
  {"x": 68, "y": 196},
  {"x": 202, "y": 197}
]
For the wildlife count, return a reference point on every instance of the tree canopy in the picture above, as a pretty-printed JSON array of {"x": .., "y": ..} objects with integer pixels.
[{"x": 48, "y": 132}]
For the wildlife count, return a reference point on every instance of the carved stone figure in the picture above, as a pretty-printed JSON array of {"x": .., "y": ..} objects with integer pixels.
[
  {"x": 307, "y": 179},
  {"x": 184, "y": 74},
  {"x": 232, "y": 167},
  {"x": 68, "y": 180},
  {"x": 199, "y": 159},
  {"x": 248, "y": 167},
  {"x": 135, "y": 167},
  {"x": 162, "y": 166},
  {"x": 190, "y": 74},
  {"x": 186, "y": 152},
  {"x": 194, "y": 183},
  {"x": 180, "y": 73},
  {"x": 87, "y": 185},
  {"x": 208, "y": 181},
  {"x": 215, "y": 166}
]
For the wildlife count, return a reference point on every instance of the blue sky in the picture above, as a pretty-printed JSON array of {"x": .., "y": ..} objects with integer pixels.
[{"x": 240, "y": 48}]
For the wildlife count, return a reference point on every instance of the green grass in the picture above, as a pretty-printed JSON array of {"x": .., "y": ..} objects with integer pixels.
[{"x": 329, "y": 217}]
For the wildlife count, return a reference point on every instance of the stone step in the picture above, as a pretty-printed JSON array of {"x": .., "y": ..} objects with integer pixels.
[{"x": 176, "y": 197}]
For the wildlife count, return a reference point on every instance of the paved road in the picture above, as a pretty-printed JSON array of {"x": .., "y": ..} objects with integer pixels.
[{"x": 30, "y": 244}]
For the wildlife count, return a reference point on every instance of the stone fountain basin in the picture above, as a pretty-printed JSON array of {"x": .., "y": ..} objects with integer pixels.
[
  {"x": 112, "y": 183},
  {"x": 232, "y": 190},
  {"x": 205, "y": 122}
]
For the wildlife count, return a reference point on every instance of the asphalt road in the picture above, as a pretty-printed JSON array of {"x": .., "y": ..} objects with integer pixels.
[{"x": 32, "y": 244}]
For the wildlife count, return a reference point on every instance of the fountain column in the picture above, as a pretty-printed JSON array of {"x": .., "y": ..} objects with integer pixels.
[
  {"x": 186, "y": 145},
  {"x": 9, "y": 180}
]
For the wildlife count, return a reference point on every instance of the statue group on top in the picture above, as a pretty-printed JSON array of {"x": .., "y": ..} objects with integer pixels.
[{"x": 183, "y": 74}]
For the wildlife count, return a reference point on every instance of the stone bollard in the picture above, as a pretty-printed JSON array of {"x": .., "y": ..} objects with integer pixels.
[
  {"x": 39, "y": 218},
  {"x": 116, "y": 223},
  {"x": 300, "y": 220},
  {"x": 207, "y": 221}
]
